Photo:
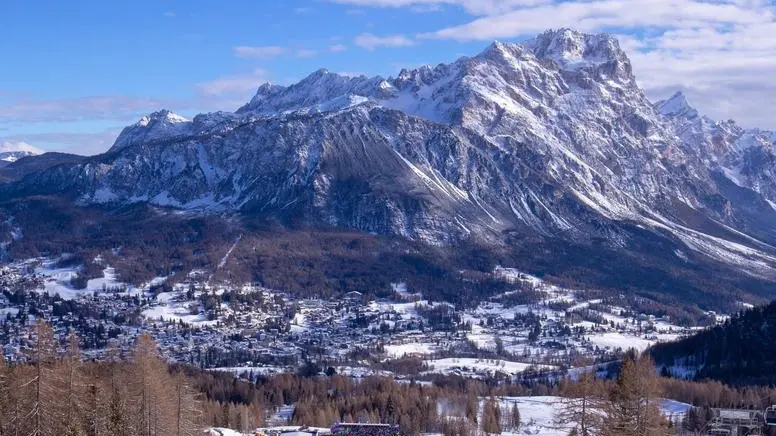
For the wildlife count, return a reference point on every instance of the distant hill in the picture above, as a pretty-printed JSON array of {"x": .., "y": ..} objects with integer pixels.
[
  {"x": 28, "y": 164},
  {"x": 741, "y": 351}
]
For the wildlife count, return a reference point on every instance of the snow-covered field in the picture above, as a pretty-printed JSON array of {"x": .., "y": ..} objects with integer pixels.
[
  {"x": 170, "y": 309},
  {"x": 57, "y": 281},
  {"x": 399, "y": 350},
  {"x": 472, "y": 367},
  {"x": 537, "y": 417}
]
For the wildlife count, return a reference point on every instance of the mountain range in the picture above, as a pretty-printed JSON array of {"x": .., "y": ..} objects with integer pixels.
[{"x": 546, "y": 143}]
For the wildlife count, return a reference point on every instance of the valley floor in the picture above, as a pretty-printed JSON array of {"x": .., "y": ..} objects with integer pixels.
[{"x": 535, "y": 330}]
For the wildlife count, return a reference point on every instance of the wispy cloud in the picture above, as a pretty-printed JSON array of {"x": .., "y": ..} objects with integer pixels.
[
  {"x": 371, "y": 42},
  {"x": 170, "y": 14},
  {"x": 262, "y": 52},
  {"x": 305, "y": 53},
  {"x": 303, "y": 10},
  {"x": 603, "y": 15},
  {"x": 233, "y": 84},
  {"x": 475, "y": 7},
  {"x": 337, "y": 48},
  {"x": 86, "y": 144},
  {"x": 77, "y": 109}
]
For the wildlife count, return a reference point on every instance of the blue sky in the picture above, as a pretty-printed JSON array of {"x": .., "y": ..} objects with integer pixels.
[{"x": 74, "y": 73}]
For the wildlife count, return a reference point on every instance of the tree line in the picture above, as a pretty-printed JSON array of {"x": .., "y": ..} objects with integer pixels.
[
  {"x": 137, "y": 393},
  {"x": 54, "y": 393},
  {"x": 741, "y": 351}
]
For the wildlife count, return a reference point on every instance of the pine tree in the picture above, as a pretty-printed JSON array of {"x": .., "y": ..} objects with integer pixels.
[
  {"x": 69, "y": 374},
  {"x": 514, "y": 419},
  {"x": 472, "y": 408},
  {"x": 491, "y": 419},
  {"x": 150, "y": 390},
  {"x": 4, "y": 397},
  {"x": 186, "y": 408},
  {"x": 44, "y": 415},
  {"x": 633, "y": 407},
  {"x": 581, "y": 406},
  {"x": 117, "y": 414},
  {"x": 93, "y": 412},
  {"x": 118, "y": 424},
  {"x": 20, "y": 401}
]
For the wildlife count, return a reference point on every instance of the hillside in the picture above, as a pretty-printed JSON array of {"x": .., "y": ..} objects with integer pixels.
[{"x": 741, "y": 351}]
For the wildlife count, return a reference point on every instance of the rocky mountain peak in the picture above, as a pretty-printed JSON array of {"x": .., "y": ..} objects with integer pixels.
[
  {"x": 573, "y": 50},
  {"x": 161, "y": 116},
  {"x": 159, "y": 124},
  {"x": 676, "y": 106}
]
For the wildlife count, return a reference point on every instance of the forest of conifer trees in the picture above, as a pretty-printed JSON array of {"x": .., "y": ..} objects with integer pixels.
[{"x": 137, "y": 393}]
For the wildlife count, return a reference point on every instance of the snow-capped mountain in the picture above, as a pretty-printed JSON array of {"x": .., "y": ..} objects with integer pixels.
[
  {"x": 745, "y": 156},
  {"x": 552, "y": 137},
  {"x": 13, "y": 151}
]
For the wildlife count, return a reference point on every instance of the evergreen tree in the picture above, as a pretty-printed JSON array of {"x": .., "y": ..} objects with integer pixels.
[
  {"x": 491, "y": 417},
  {"x": 581, "y": 406},
  {"x": 149, "y": 390},
  {"x": 514, "y": 418},
  {"x": 186, "y": 409},
  {"x": 472, "y": 408},
  {"x": 43, "y": 414},
  {"x": 69, "y": 370},
  {"x": 633, "y": 409}
]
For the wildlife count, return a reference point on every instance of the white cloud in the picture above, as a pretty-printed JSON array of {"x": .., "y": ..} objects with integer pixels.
[
  {"x": 305, "y": 53},
  {"x": 725, "y": 73},
  {"x": 77, "y": 109},
  {"x": 602, "y": 15},
  {"x": 475, "y": 7},
  {"x": 371, "y": 42},
  {"x": 85, "y": 144},
  {"x": 233, "y": 84},
  {"x": 351, "y": 73},
  {"x": 169, "y": 14},
  {"x": 337, "y": 48},
  {"x": 263, "y": 52},
  {"x": 303, "y": 10}
]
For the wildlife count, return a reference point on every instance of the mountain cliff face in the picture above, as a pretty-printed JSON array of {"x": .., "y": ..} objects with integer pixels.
[
  {"x": 745, "y": 156},
  {"x": 552, "y": 137}
]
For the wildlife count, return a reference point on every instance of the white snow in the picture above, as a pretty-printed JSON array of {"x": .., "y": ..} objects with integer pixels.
[
  {"x": 399, "y": 350},
  {"x": 56, "y": 280},
  {"x": 176, "y": 311},
  {"x": 469, "y": 366},
  {"x": 614, "y": 340}
]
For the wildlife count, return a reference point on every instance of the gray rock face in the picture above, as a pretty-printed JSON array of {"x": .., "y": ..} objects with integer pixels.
[
  {"x": 745, "y": 156},
  {"x": 551, "y": 137}
]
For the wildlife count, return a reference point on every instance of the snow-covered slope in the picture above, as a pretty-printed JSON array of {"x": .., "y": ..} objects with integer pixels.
[
  {"x": 550, "y": 137},
  {"x": 13, "y": 151},
  {"x": 742, "y": 163}
]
